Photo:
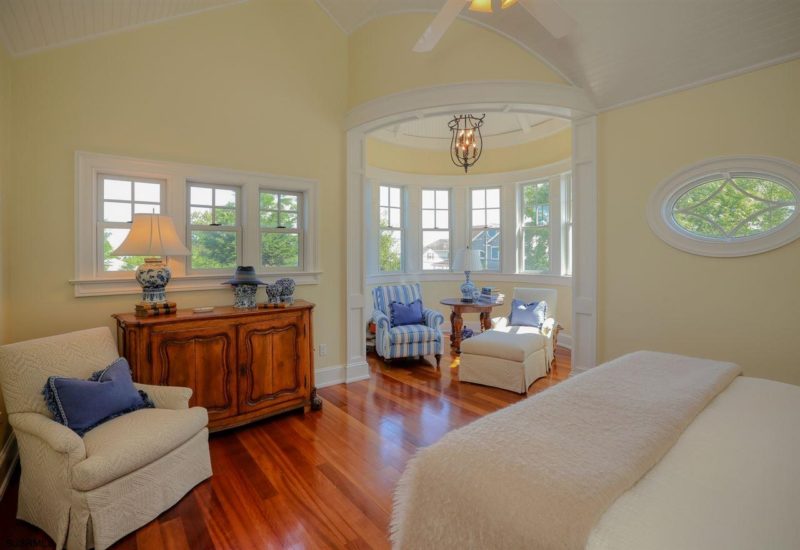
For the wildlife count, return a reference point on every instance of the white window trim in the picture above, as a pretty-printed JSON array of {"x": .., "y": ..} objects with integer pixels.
[
  {"x": 101, "y": 225},
  {"x": 289, "y": 231},
  {"x": 659, "y": 208},
  {"x": 460, "y": 187},
  {"x": 449, "y": 229},
  {"x": 404, "y": 208},
  {"x": 238, "y": 228},
  {"x": 89, "y": 281}
]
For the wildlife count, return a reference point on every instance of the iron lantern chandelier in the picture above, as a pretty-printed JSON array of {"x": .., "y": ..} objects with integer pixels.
[{"x": 466, "y": 144}]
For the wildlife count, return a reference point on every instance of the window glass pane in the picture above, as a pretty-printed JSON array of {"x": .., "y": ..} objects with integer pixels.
[
  {"x": 117, "y": 212},
  {"x": 200, "y": 215},
  {"x": 394, "y": 196},
  {"x": 428, "y": 219},
  {"x": 112, "y": 238},
  {"x": 384, "y": 216},
  {"x": 428, "y": 199},
  {"x": 390, "y": 250},
  {"x": 394, "y": 217},
  {"x": 269, "y": 219},
  {"x": 442, "y": 199},
  {"x": 384, "y": 196},
  {"x": 213, "y": 249},
  {"x": 116, "y": 190},
  {"x": 493, "y": 198},
  {"x": 732, "y": 208},
  {"x": 288, "y": 219},
  {"x": 442, "y": 219},
  {"x": 493, "y": 217},
  {"x": 146, "y": 208},
  {"x": 280, "y": 250},
  {"x": 201, "y": 195},
  {"x": 478, "y": 218},
  {"x": 225, "y": 216},
  {"x": 487, "y": 241},
  {"x": 224, "y": 197},
  {"x": 478, "y": 198},
  {"x": 536, "y": 248},
  {"x": 436, "y": 250},
  {"x": 289, "y": 202},
  {"x": 269, "y": 201},
  {"x": 147, "y": 192}
]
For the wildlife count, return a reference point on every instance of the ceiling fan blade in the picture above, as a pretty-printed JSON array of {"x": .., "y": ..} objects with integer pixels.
[
  {"x": 439, "y": 25},
  {"x": 551, "y": 15}
]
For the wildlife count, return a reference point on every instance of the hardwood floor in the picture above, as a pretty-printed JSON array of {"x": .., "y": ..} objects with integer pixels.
[{"x": 320, "y": 480}]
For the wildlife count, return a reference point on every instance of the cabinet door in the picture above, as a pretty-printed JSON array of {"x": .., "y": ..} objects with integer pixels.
[
  {"x": 201, "y": 358},
  {"x": 274, "y": 362}
]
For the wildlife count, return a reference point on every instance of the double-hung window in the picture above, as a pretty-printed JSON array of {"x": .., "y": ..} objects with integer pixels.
[
  {"x": 435, "y": 229},
  {"x": 535, "y": 226},
  {"x": 215, "y": 231},
  {"x": 390, "y": 219},
  {"x": 485, "y": 225},
  {"x": 280, "y": 215},
  {"x": 566, "y": 224},
  {"x": 121, "y": 198}
]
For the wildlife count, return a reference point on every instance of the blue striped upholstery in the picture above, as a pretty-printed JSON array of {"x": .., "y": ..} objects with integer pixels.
[{"x": 408, "y": 340}]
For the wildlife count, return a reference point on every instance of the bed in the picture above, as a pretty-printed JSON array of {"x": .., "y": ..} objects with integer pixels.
[{"x": 649, "y": 451}]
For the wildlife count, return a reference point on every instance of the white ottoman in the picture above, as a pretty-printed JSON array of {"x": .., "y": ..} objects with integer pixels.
[{"x": 503, "y": 360}]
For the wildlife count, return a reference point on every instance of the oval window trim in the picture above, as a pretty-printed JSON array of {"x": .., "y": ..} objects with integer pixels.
[{"x": 664, "y": 197}]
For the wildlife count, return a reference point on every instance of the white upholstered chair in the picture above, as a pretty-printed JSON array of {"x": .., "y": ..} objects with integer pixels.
[
  {"x": 550, "y": 327},
  {"x": 90, "y": 491}
]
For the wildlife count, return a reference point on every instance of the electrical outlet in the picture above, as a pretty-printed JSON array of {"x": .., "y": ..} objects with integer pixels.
[{"x": 323, "y": 350}]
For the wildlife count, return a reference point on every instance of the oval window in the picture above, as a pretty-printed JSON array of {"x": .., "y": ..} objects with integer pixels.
[{"x": 729, "y": 207}]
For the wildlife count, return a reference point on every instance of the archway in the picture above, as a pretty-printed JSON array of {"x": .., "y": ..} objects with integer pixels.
[{"x": 533, "y": 97}]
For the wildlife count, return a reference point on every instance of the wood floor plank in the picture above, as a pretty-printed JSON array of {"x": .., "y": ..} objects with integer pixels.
[{"x": 318, "y": 480}]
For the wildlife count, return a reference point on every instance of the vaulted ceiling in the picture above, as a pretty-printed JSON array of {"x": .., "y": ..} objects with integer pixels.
[
  {"x": 625, "y": 50},
  {"x": 620, "y": 50}
]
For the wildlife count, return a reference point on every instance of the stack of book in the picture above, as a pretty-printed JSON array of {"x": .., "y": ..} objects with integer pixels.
[
  {"x": 489, "y": 294},
  {"x": 145, "y": 309}
]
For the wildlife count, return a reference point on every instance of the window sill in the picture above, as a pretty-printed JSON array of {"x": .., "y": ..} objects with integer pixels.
[
  {"x": 478, "y": 277},
  {"x": 112, "y": 287}
]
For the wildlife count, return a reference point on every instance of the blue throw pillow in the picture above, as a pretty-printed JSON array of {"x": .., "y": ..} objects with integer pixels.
[
  {"x": 527, "y": 315},
  {"x": 406, "y": 314},
  {"x": 85, "y": 404}
]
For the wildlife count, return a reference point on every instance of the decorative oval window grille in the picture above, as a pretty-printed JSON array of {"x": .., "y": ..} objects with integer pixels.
[{"x": 733, "y": 206}]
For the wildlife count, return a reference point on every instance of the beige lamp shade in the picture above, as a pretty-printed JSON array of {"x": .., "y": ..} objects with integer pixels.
[
  {"x": 468, "y": 260},
  {"x": 151, "y": 235}
]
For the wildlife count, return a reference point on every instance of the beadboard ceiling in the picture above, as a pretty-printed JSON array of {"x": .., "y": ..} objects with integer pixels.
[
  {"x": 27, "y": 26},
  {"x": 499, "y": 130},
  {"x": 625, "y": 50}
]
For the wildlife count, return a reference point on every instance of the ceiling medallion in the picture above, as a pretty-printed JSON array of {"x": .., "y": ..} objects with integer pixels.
[{"x": 466, "y": 144}]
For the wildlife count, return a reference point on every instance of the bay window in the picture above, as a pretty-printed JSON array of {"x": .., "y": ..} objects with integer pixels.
[
  {"x": 485, "y": 226},
  {"x": 390, "y": 219},
  {"x": 436, "y": 230}
]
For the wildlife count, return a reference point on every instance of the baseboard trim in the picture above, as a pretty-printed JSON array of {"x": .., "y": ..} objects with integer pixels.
[
  {"x": 565, "y": 340},
  {"x": 8, "y": 459},
  {"x": 341, "y": 374}
]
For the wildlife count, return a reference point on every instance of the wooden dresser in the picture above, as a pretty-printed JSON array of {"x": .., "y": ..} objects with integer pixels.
[{"x": 242, "y": 364}]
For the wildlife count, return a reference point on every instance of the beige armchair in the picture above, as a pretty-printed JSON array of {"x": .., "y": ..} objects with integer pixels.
[
  {"x": 550, "y": 327},
  {"x": 90, "y": 491}
]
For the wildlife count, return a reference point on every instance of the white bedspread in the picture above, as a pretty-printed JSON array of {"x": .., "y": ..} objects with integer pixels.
[{"x": 732, "y": 480}]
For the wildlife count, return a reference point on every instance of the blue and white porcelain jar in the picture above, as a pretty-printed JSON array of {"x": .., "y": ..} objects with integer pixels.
[{"x": 244, "y": 296}]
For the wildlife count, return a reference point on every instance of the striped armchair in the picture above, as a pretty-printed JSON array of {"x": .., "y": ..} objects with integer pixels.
[{"x": 407, "y": 340}]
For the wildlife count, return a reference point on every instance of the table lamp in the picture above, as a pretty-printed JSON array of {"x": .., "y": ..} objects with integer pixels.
[
  {"x": 468, "y": 260},
  {"x": 152, "y": 236}
]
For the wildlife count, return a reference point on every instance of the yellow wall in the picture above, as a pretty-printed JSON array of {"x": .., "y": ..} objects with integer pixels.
[
  {"x": 246, "y": 87},
  {"x": 5, "y": 89},
  {"x": 382, "y": 63},
  {"x": 543, "y": 151},
  {"x": 652, "y": 296}
]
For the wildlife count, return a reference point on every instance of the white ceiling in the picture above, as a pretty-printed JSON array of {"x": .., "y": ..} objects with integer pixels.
[
  {"x": 28, "y": 26},
  {"x": 500, "y": 129},
  {"x": 625, "y": 50}
]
